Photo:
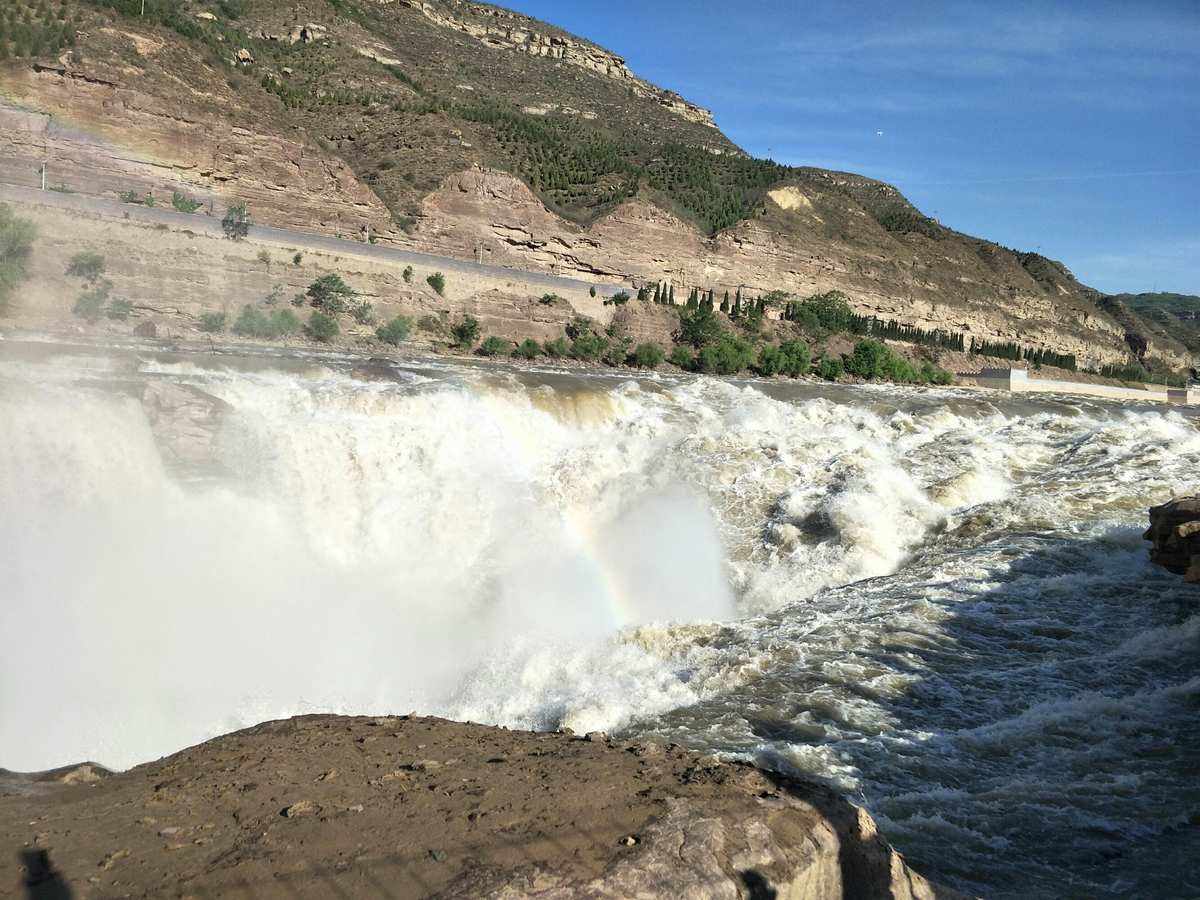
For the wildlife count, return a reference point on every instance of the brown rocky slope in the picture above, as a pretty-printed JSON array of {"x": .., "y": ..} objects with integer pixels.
[
  {"x": 417, "y": 807},
  {"x": 466, "y": 129}
]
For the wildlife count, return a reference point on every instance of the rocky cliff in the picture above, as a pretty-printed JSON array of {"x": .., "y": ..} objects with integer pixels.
[
  {"x": 506, "y": 30},
  {"x": 416, "y": 807}
]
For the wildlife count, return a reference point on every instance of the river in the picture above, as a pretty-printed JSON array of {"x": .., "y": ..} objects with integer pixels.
[{"x": 936, "y": 600}]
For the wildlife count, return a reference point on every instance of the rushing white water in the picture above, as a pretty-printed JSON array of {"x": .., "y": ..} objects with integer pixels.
[{"x": 937, "y": 601}]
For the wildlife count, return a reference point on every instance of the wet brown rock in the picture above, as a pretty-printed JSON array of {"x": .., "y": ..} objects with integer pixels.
[
  {"x": 561, "y": 817},
  {"x": 1175, "y": 533}
]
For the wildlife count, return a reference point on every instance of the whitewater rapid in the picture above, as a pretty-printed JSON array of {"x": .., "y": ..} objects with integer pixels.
[{"x": 936, "y": 600}]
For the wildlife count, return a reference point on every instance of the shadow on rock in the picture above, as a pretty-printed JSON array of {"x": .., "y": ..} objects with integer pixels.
[{"x": 42, "y": 881}]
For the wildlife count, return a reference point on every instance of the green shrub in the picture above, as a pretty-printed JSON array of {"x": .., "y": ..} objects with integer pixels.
[
  {"x": 873, "y": 360},
  {"x": 870, "y": 359},
  {"x": 396, "y": 331},
  {"x": 283, "y": 323},
  {"x": 648, "y": 356},
  {"x": 408, "y": 274},
  {"x": 297, "y": 258},
  {"x": 184, "y": 203},
  {"x": 549, "y": 299},
  {"x": 16, "y": 243},
  {"x": 212, "y": 322},
  {"x": 796, "y": 358},
  {"x": 494, "y": 346},
  {"x": 437, "y": 281},
  {"x": 119, "y": 309},
  {"x": 557, "y": 348},
  {"x": 87, "y": 265},
  {"x": 528, "y": 349},
  {"x": 251, "y": 322},
  {"x": 698, "y": 327},
  {"x": 322, "y": 327},
  {"x": 683, "y": 357},
  {"x": 264, "y": 257},
  {"x": 331, "y": 294},
  {"x": 432, "y": 324},
  {"x": 90, "y": 304},
  {"x": 728, "y": 355},
  {"x": 770, "y": 360},
  {"x": 617, "y": 351},
  {"x": 466, "y": 332},
  {"x": 592, "y": 291},
  {"x": 589, "y": 346},
  {"x": 363, "y": 313},
  {"x": 236, "y": 223},
  {"x": 822, "y": 314},
  {"x": 830, "y": 368},
  {"x": 931, "y": 374}
]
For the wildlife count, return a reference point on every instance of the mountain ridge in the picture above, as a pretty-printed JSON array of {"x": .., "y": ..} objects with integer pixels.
[{"x": 343, "y": 115}]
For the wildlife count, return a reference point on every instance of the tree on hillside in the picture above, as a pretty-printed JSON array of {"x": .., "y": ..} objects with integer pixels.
[
  {"x": 16, "y": 243},
  {"x": 331, "y": 294},
  {"x": 87, "y": 265},
  {"x": 322, "y": 327},
  {"x": 466, "y": 332},
  {"x": 698, "y": 327},
  {"x": 236, "y": 223}
]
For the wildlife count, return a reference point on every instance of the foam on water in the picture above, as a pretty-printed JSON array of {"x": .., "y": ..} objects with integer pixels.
[{"x": 940, "y": 605}]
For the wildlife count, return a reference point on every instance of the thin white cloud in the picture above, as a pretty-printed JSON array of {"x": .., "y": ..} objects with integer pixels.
[{"x": 1075, "y": 176}]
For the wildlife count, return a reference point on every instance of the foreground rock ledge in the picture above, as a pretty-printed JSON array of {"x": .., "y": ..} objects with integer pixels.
[
  {"x": 419, "y": 807},
  {"x": 1175, "y": 533}
]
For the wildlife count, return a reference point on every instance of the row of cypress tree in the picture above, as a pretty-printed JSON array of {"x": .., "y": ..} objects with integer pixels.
[{"x": 843, "y": 319}]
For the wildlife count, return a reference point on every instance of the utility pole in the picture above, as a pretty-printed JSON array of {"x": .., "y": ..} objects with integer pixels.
[{"x": 43, "y": 176}]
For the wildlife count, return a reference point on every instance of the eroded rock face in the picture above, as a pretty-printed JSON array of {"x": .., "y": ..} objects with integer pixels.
[
  {"x": 504, "y": 30},
  {"x": 1175, "y": 532},
  {"x": 100, "y": 132},
  {"x": 947, "y": 286},
  {"x": 339, "y": 806}
]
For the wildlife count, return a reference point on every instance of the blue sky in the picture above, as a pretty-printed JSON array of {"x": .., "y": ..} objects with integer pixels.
[{"x": 1070, "y": 128}]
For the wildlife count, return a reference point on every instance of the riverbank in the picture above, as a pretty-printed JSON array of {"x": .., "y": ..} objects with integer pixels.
[{"x": 417, "y": 807}]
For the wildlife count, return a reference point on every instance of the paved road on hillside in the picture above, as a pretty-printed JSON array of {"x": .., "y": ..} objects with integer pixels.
[{"x": 301, "y": 240}]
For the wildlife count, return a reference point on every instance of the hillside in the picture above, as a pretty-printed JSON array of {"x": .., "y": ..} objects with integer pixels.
[
  {"x": 1176, "y": 314},
  {"x": 471, "y": 131}
]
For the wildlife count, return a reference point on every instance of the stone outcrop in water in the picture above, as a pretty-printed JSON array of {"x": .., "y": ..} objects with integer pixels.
[
  {"x": 186, "y": 425},
  {"x": 1175, "y": 531},
  {"x": 408, "y": 807}
]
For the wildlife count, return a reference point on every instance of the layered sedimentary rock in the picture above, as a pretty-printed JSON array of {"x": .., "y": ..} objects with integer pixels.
[
  {"x": 417, "y": 807},
  {"x": 495, "y": 216},
  {"x": 502, "y": 29},
  {"x": 172, "y": 275},
  {"x": 1175, "y": 533},
  {"x": 97, "y": 133}
]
